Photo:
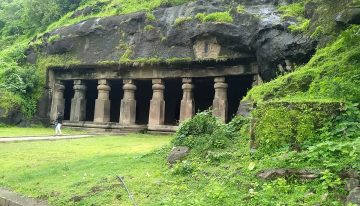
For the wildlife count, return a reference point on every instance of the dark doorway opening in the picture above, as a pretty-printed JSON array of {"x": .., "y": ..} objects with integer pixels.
[
  {"x": 172, "y": 97},
  {"x": 68, "y": 95},
  {"x": 116, "y": 94},
  {"x": 203, "y": 93},
  {"x": 143, "y": 95},
  {"x": 238, "y": 86},
  {"x": 91, "y": 96}
]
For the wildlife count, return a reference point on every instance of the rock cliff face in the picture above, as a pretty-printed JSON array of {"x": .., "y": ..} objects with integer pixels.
[{"x": 257, "y": 32}]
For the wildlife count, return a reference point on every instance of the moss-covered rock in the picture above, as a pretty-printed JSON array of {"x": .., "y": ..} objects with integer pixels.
[{"x": 281, "y": 124}]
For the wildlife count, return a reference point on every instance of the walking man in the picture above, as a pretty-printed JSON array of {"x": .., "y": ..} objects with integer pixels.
[{"x": 58, "y": 123}]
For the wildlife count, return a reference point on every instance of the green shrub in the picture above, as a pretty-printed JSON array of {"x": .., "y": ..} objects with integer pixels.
[
  {"x": 150, "y": 16},
  {"x": 200, "y": 17},
  {"x": 54, "y": 38},
  {"x": 219, "y": 17},
  {"x": 202, "y": 133},
  {"x": 240, "y": 9},
  {"x": 293, "y": 10},
  {"x": 149, "y": 27},
  {"x": 224, "y": 17},
  {"x": 181, "y": 20},
  {"x": 301, "y": 26},
  {"x": 183, "y": 168},
  {"x": 235, "y": 126},
  {"x": 9, "y": 101},
  {"x": 217, "y": 156}
]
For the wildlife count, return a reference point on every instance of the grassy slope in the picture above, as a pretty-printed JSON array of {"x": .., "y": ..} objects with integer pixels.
[{"x": 331, "y": 75}]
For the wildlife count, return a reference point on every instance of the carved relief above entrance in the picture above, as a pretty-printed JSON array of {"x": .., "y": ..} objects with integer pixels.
[{"x": 206, "y": 47}]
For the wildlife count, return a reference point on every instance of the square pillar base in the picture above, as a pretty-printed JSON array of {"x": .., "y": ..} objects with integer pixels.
[
  {"x": 157, "y": 112},
  {"x": 58, "y": 106},
  {"x": 102, "y": 110},
  {"x": 78, "y": 110},
  {"x": 127, "y": 112},
  {"x": 187, "y": 109},
  {"x": 220, "y": 109}
]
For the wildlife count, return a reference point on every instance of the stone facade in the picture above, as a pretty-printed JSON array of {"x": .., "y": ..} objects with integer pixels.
[{"x": 156, "y": 107}]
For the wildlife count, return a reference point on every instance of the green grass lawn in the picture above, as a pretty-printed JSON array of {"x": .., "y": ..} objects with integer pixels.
[
  {"x": 35, "y": 131},
  {"x": 83, "y": 171}
]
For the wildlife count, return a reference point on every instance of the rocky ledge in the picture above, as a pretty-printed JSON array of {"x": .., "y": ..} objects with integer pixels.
[{"x": 257, "y": 32}]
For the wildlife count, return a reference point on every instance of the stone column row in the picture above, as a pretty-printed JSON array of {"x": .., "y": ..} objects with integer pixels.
[{"x": 128, "y": 102}]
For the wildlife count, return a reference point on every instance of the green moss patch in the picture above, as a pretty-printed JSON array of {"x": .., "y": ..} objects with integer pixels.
[{"x": 279, "y": 124}]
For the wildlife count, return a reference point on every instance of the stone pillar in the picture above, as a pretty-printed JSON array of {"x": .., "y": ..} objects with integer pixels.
[
  {"x": 256, "y": 80},
  {"x": 128, "y": 104},
  {"x": 220, "y": 103},
  {"x": 157, "y": 103},
  {"x": 78, "y": 102},
  {"x": 58, "y": 101},
  {"x": 102, "y": 103},
  {"x": 187, "y": 107}
]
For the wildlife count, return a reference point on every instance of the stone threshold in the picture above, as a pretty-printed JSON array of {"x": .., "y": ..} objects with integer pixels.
[{"x": 8, "y": 198}]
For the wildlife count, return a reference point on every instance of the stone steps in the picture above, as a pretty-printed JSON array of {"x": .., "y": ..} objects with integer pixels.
[{"x": 8, "y": 198}]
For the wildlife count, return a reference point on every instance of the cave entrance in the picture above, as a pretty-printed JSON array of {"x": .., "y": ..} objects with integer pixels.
[
  {"x": 203, "y": 93},
  {"x": 238, "y": 86},
  {"x": 68, "y": 95},
  {"x": 116, "y": 94},
  {"x": 143, "y": 96},
  {"x": 172, "y": 97},
  {"x": 91, "y": 96}
]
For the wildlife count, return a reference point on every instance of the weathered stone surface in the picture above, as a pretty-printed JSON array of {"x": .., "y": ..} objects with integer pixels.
[
  {"x": 13, "y": 117},
  {"x": 58, "y": 102},
  {"x": 177, "y": 153},
  {"x": 157, "y": 103},
  {"x": 351, "y": 183},
  {"x": 187, "y": 105},
  {"x": 245, "y": 108},
  {"x": 78, "y": 102},
  {"x": 102, "y": 103},
  {"x": 285, "y": 172},
  {"x": 354, "y": 196},
  {"x": 258, "y": 33},
  {"x": 220, "y": 102},
  {"x": 128, "y": 104},
  {"x": 8, "y": 198},
  {"x": 349, "y": 16}
]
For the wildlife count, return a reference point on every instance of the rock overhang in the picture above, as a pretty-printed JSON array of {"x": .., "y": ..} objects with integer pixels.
[{"x": 125, "y": 40}]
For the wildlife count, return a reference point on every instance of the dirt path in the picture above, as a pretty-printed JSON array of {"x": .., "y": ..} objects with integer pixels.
[{"x": 42, "y": 138}]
